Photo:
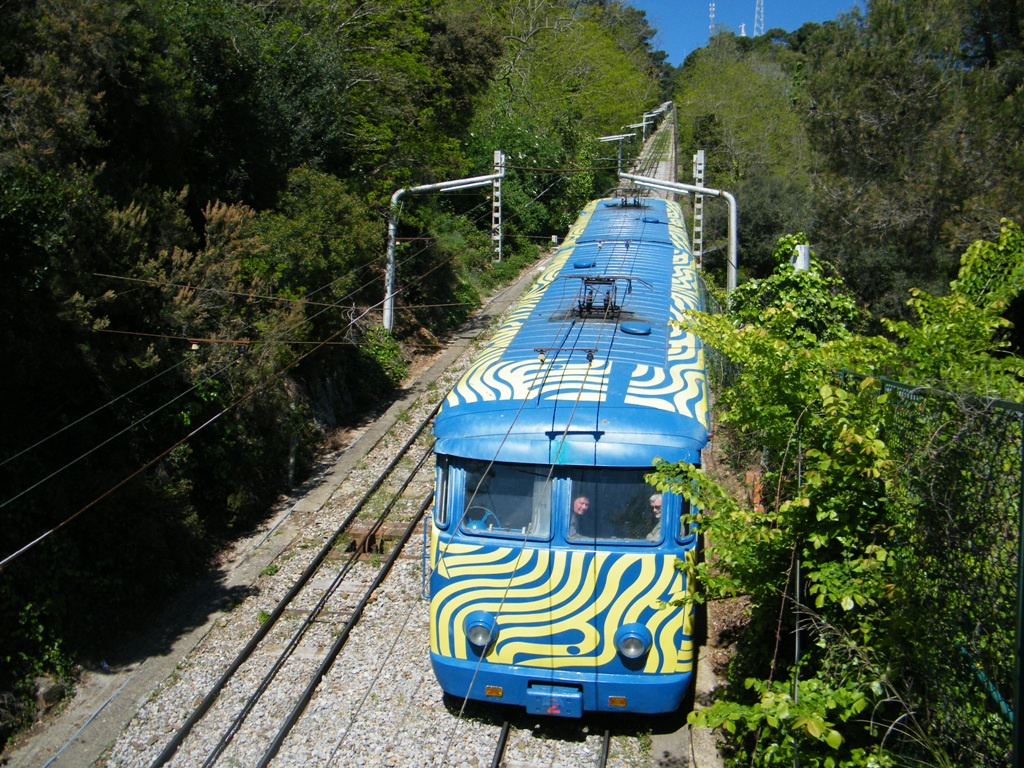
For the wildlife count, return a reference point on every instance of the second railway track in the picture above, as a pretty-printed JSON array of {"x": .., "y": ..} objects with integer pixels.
[{"x": 308, "y": 627}]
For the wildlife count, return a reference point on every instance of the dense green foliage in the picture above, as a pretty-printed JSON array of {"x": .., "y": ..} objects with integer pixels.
[
  {"x": 893, "y": 137},
  {"x": 855, "y": 486},
  {"x": 193, "y": 197}
]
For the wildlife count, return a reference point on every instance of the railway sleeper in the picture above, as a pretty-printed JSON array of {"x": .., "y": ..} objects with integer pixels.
[
  {"x": 332, "y": 617},
  {"x": 367, "y": 542}
]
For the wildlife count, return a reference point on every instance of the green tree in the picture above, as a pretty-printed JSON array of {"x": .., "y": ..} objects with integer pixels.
[
  {"x": 744, "y": 117},
  {"x": 906, "y": 120},
  {"x": 845, "y": 510}
]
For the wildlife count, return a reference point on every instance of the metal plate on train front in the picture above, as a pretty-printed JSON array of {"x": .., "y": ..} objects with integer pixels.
[{"x": 554, "y": 700}]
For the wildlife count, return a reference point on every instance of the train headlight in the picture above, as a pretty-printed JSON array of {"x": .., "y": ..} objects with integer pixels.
[
  {"x": 633, "y": 640},
  {"x": 481, "y": 629}
]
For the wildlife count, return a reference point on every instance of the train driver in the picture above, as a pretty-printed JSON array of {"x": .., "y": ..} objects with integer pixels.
[{"x": 582, "y": 522}]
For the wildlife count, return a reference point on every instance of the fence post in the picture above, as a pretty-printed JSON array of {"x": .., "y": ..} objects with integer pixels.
[{"x": 1018, "y": 732}]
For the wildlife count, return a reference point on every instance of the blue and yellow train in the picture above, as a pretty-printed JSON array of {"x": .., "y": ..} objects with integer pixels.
[{"x": 553, "y": 579}]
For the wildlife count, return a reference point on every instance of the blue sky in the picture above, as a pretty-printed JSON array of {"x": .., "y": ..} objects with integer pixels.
[{"x": 683, "y": 25}]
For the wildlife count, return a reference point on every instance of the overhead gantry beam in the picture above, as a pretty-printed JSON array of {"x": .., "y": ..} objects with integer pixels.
[{"x": 674, "y": 186}]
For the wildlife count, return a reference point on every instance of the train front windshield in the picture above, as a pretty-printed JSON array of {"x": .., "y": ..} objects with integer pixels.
[
  {"x": 613, "y": 504},
  {"x": 589, "y": 504}
]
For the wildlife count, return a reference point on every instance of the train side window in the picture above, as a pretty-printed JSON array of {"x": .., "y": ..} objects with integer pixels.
[
  {"x": 613, "y": 504},
  {"x": 686, "y": 526},
  {"x": 441, "y": 495},
  {"x": 506, "y": 499}
]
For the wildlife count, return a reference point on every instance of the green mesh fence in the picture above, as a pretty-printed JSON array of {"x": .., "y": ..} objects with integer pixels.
[
  {"x": 720, "y": 369},
  {"x": 959, "y": 499}
]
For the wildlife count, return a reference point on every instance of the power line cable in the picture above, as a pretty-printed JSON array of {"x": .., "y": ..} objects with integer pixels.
[
  {"x": 117, "y": 486},
  {"x": 93, "y": 412},
  {"x": 152, "y": 461},
  {"x": 250, "y": 393},
  {"x": 112, "y": 437},
  {"x": 85, "y": 454},
  {"x": 166, "y": 336}
]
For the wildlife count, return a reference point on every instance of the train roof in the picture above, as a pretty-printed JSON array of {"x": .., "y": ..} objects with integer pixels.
[{"x": 588, "y": 369}]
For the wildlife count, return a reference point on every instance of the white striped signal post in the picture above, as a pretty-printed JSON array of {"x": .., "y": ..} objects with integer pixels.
[
  {"x": 499, "y": 173},
  {"x": 698, "y": 209}
]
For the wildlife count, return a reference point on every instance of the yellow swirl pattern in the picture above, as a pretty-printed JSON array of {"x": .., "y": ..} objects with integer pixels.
[
  {"x": 681, "y": 388},
  {"x": 487, "y": 379},
  {"x": 559, "y": 609}
]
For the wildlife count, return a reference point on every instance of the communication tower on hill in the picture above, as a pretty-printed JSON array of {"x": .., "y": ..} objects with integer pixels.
[
  {"x": 759, "y": 18},
  {"x": 711, "y": 25}
]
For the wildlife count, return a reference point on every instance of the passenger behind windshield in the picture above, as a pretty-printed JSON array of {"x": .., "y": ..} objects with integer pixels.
[
  {"x": 655, "y": 534},
  {"x": 582, "y": 520}
]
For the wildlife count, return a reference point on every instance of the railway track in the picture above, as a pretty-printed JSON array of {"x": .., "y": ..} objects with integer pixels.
[
  {"x": 601, "y": 758},
  {"x": 329, "y": 591},
  {"x": 658, "y": 160}
]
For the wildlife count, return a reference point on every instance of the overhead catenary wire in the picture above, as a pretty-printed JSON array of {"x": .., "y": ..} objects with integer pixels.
[
  {"x": 277, "y": 374},
  {"x": 93, "y": 412},
  {"x": 590, "y": 169},
  {"x": 102, "y": 443},
  {"x": 132, "y": 475},
  {"x": 240, "y": 342},
  {"x": 324, "y": 343}
]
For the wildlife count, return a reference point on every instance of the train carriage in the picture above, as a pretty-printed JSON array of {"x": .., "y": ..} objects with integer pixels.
[{"x": 552, "y": 560}]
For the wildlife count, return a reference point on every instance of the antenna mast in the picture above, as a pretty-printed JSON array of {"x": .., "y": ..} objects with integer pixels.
[
  {"x": 759, "y": 18},
  {"x": 711, "y": 25}
]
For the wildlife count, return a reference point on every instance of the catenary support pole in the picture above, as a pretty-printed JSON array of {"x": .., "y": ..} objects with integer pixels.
[{"x": 442, "y": 186}]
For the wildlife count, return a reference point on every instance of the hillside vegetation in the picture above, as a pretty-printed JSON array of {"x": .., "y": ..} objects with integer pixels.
[
  {"x": 876, "y": 395},
  {"x": 893, "y": 137}
]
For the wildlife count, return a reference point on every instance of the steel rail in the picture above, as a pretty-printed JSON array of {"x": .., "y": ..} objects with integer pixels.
[
  {"x": 307, "y": 622},
  {"x": 499, "y": 750},
  {"x": 606, "y": 747},
  {"x": 339, "y": 643}
]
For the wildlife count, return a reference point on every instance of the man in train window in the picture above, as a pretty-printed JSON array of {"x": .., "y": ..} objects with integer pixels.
[
  {"x": 582, "y": 520},
  {"x": 655, "y": 502}
]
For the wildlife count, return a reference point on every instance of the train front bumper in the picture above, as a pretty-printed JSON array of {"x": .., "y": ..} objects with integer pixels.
[{"x": 561, "y": 693}]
